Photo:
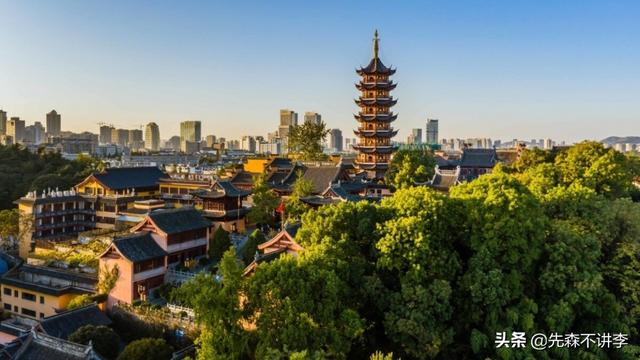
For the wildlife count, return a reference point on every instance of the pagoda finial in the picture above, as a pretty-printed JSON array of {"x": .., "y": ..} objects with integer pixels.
[{"x": 375, "y": 44}]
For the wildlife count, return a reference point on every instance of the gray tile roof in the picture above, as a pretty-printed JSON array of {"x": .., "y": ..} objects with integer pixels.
[
  {"x": 38, "y": 346},
  {"x": 175, "y": 221},
  {"x": 66, "y": 323},
  {"x": 139, "y": 247},
  {"x": 478, "y": 158},
  {"x": 130, "y": 177}
]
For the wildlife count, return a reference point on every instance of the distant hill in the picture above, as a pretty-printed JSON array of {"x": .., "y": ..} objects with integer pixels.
[{"x": 621, "y": 140}]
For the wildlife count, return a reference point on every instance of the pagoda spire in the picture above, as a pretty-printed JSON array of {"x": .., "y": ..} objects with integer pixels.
[{"x": 375, "y": 44}]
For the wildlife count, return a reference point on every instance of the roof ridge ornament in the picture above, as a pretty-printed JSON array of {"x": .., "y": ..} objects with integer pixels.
[{"x": 375, "y": 44}]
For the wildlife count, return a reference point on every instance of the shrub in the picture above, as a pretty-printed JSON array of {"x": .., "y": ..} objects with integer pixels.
[
  {"x": 147, "y": 349},
  {"x": 104, "y": 340}
]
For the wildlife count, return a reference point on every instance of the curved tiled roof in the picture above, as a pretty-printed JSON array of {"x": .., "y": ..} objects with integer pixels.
[
  {"x": 175, "y": 221},
  {"x": 130, "y": 177},
  {"x": 64, "y": 324},
  {"x": 139, "y": 247}
]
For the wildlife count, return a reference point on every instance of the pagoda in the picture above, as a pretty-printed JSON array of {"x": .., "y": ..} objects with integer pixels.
[{"x": 375, "y": 117}]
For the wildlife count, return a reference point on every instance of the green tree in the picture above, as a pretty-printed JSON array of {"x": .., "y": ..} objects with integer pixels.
[
  {"x": 297, "y": 305},
  {"x": 410, "y": 166},
  {"x": 265, "y": 201},
  {"x": 294, "y": 207},
  {"x": 505, "y": 226},
  {"x": 104, "y": 340},
  {"x": 251, "y": 246},
  {"x": 80, "y": 301},
  {"x": 607, "y": 171},
  {"x": 219, "y": 242},
  {"x": 306, "y": 139},
  {"x": 417, "y": 247},
  {"x": 218, "y": 310},
  {"x": 147, "y": 349}
]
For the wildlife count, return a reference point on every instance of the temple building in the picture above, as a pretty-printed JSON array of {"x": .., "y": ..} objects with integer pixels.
[
  {"x": 143, "y": 257},
  {"x": 374, "y": 132},
  {"x": 222, "y": 204}
]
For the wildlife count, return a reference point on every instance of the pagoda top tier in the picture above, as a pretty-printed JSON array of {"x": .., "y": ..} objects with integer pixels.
[{"x": 375, "y": 67}]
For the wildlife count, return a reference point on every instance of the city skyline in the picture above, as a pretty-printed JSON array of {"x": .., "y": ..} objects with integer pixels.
[{"x": 550, "y": 72}]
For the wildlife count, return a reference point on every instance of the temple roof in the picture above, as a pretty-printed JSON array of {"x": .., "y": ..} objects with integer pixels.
[
  {"x": 39, "y": 346},
  {"x": 66, "y": 323},
  {"x": 376, "y": 117},
  {"x": 129, "y": 177},
  {"x": 179, "y": 220},
  {"x": 375, "y": 65},
  {"x": 478, "y": 158},
  {"x": 139, "y": 247}
]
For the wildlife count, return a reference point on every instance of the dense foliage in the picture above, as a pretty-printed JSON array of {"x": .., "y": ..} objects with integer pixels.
[
  {"x": 104, "y": 340},
  {"x": 548, "y": 245},
  {"x": 264, "y": 202},
  {"x": 147, "y": 349},
  {"x": 22, "y": 171},
  {"x": 251, "y": 246},
  {"x": 294, "y": 207},
  {"x": 409, "y": 167},
  {"x": 306, "y": 140},
  {"x": 219, "y": 242}
]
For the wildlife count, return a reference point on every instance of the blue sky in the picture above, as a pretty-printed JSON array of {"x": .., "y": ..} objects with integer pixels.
[{"x": 501, "y": 69}]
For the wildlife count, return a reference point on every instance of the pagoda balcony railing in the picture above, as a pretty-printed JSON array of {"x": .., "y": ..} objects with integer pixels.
[{"x": 374, "y": 145}]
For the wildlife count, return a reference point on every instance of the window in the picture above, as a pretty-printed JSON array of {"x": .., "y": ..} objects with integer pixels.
[
  {"x": 7, "y": 291},
  {"x": 28, "y": 296},
  {"x": 7, "y": 307},
  {"x": 41, "y": 315},
  {"x": 41, "y": 299},
  {"x": 15, "y": 308},
  {"x": 28, "y": 312},
  {"x": 15, "y": 293}
]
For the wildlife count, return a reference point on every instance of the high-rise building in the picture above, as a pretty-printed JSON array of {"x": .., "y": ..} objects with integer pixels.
[
  {"x": 3, "y": 122},
  {"x": 15, "y": 129},
  {"x": 190, "y": 131},
  {"x": 248, "y": 144},
  {"x": 173, "y": 143},
  {"x": 105, "y": 134},
  {"x": 335, "y": 140},
  {"x": 312, "y": 117},
  {"x": 136, "y": 139},
  {"x": 375, "y": 117},
  {"x": 548, "y": 144},
  {"x": 34, "y": 134},
  {"x": 152, "y": 137},
  {"x": 432, "y": 131},
  {"x": 288, "y": 118},
  {"x": 416, "y": 136},
  {"x": 54, "y": 123},
  {"x": 210, "y": 140},
  {"x": 120, "y": 137}
]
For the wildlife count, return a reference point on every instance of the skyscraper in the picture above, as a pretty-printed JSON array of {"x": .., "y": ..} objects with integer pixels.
[
  {"x": 335, "y": 140},
  {"x": 3, "y": 122},
  {"x": 190, "y": 131},
  {"x": 210, "y": 140},
  {"x": 136, "y": 141},
  {"x": 54, "y": 123},
  {"x": 120, "y": 137},
  {"x": 105, "y": 134},
  {"x": 375, "y": 117},
  {"x": 34, "y": 134},
  {"x": 416, "y": 136},
  {"x": 288, "y": 118},
  {"x": 432, "y": 131},
  {"x": 248, "y": 144},
  {"x": 312, "y": 117},
  {"x": 152, "y": 137},
  {"x": 15, "y": 129}
]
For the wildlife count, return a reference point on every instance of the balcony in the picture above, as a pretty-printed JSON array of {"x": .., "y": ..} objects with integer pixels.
[{"x": 149, "y": 274}]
